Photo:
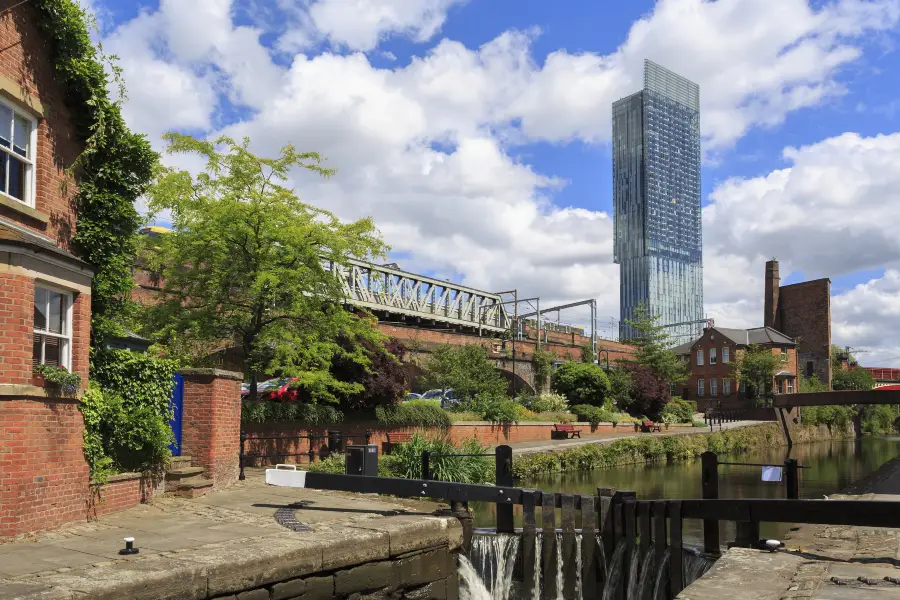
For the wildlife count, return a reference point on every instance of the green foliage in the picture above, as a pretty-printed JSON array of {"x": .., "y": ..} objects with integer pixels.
[
  {"x": 464, "y": 369},
  {"x": 587, "y": 353},
  {"x": 300, "y": 413},
  {"x": 407, "y": 460},
  {"x": 247, "y": 263},
  {"x": 812, "y": 384},
  {"x": 114, "y": 169},
  {"x": 833, "y": 417},
  {"x": 880, "y": 419},
  {"x": 875, "y": 419},
  {"x": 644, "y": 449},
  {"x": 127, "y": 412},
  {"x": 699, "y": 424},
  {"x": 595, "y": 415},
  {"x": 581, "y": 383},
  {"x": 542, "y": 361},
  {"x": 66, "y": 381},
  {"x": 756, "y": 367},
  {"x": 678, "y": 411},
  {"x": 545, "y": 403},
  {"x": 852, "y": 379},
  {"x": 415, "y": 413},
  {"x": 653, "y": 344},
  {"x": 621, "y": 387},
  {"x": 497, "y": 409}
]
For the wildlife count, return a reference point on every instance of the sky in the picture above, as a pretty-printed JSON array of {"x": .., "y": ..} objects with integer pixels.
[{"x": 476, "y": 132}]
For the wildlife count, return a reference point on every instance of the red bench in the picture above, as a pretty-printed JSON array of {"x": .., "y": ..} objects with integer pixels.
[
  {"x": 396, "y": 438},
  {"x": 650, "y": 427},
  {"x": 567, "y": 430}
]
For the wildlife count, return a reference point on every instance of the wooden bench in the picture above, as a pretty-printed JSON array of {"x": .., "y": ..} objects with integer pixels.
[
  {"x": 650, "y": 427},
  {"x": 566, "y": 431},
  {"x": 396, "y": 438}
]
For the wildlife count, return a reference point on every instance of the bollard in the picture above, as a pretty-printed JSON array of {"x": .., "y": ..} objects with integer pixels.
[
  {"x": 710, "y": 489},
  {"x": 461, "y": 512},
  {"x": 504, "y": 478},
  {"x": 792, "y": 479}
]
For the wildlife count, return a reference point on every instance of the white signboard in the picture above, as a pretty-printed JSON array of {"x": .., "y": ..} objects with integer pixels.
[{"x": 771, "y": 473}]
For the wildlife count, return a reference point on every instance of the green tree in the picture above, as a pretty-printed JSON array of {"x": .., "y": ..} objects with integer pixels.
[
  {"x": 756, "y": 367},
  {"x": 653, "y": 344},
  {"x": 250, "y": 265},
  {"x": 852, "y": 379},
  {"x": 621, "y": 387},
  {"x": 581, "y": 383},
  {"x": 587, "y": 353},
  {"x": 467, "y": 370},
  {"x": 812, "y": 384},
  {"x": 542, "y": 360}
]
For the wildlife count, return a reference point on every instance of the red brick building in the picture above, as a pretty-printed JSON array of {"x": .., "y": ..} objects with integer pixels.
[
  {"x": 712, "y": 382},
  {"x": 45, "y": 291}
]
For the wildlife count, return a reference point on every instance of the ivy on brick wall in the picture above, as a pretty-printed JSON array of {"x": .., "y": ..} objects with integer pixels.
[{"x": 114, "y": 169}]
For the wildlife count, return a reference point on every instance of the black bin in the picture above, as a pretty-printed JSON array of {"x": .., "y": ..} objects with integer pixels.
[{"x": 362, "y": 460}]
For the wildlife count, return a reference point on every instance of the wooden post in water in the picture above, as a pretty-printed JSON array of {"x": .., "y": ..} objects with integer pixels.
[
  {"x": 548, "y": 547},
  {"x": 504, "y": 477},
  {"x": 569, "y": 546},
  {"x": 710, "y": 488},
  {"x": 792, "y": 479},
  {"x": 644, "y": 510},
  {"x": 629, "y": 532},
  {"x": 676, "y": 545},
  {"x": 607, "y": 499},
  {"x": 659, "y": 532},
  {"x": 588, "y": 547},
  {"x": 529, "y": 547}
]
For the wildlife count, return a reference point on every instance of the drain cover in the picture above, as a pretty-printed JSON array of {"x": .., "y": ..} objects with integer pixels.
[{"x": 287, "y": 517}]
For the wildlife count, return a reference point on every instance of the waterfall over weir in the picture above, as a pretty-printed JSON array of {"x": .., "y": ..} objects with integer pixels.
[{"x": 494, "y": 571}]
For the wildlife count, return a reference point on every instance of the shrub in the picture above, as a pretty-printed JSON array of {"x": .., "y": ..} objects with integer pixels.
[
  {"x": 407, "y": 460},
  {"x": 649, "y": 393},
  {"x": 504, "y": 410},
  {"x": 678, "y": 411},
  {"x": 699, "y": 424},
  {"x": 335, "y": 464},
  {"x": 127, "y": 413},
  {"x": 464, "y": 415},
  {"x": 591, "y": 414},
  {"x": 545, "y": 403},
  {"x": 416, "y": 413},
  {"x": 581, "y": 383},
  {"x": 297, "y": 412}
]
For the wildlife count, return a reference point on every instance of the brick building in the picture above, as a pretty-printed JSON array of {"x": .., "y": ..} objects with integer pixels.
[
  {"x": 802, "y": 311},
  {"x": 711, "y": 358},
  {"x": 45, "y": 290}
]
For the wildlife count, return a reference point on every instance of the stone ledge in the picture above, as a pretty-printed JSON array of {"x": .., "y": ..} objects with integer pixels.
[
  {"x": 123, "y": 477},
  {"x": 21, "y": 207},
  {"x": 218, "y": 373},
  {"x": 11, "y": 391}
]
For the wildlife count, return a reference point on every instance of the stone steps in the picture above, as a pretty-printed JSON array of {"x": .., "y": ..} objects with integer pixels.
[
  {"x": 194, "y": 488},
  {"x": 186, "y": 480}
]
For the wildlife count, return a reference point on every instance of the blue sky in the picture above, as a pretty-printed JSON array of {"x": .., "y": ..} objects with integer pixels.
[{"x": 475, "y": 132}]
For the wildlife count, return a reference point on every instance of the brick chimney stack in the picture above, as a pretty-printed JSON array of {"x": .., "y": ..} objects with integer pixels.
[{"x": 773, "y": 282}]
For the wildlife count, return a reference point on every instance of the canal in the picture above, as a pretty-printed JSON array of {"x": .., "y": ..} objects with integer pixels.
[{"x": 832, "y": 467}]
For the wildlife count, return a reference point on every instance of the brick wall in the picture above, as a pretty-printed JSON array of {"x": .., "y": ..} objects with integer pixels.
[
  {"x": 211, "y": 422},
  {"x": 25, "y": 60},
  {"x": 121, "y": 492},
  {"x": 805, "y": 314},
  {"x": 43, "y": 474},
  {"x": 17, "y": 324}
]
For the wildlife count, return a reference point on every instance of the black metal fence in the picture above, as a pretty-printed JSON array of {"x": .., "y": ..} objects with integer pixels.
[
  {"x": 624, "y": 523},
  {"x": 334, "y": 442}
]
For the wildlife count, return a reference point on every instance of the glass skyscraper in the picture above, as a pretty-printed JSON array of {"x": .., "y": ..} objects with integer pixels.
[{"x": 656, "y": 202}]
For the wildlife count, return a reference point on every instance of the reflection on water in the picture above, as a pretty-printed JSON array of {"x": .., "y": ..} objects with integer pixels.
[{"x": 832, "y": 467}]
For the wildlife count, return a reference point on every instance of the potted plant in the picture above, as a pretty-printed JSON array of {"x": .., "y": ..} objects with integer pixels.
[{"x": 59, "y": 379}]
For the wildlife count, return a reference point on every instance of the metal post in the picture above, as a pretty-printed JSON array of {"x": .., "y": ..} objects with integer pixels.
[
  {"x": 514, "y": 336},
  {"x": 312, "y": 450},
  {"x": 368, "y": 437},
  {"x": 710, "y": 488},
  {"x": 538, "y": 324},
  {"x": 594, "y": 333},
  {"x": 504, "y": 477},
  {"x": 792, "y": 479},
  {"x": 426, "y": 467},
  {"x": 242, "y": 477}
]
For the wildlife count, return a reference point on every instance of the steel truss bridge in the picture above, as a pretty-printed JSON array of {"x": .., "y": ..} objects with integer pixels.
[{"x": 385, "y": 289}]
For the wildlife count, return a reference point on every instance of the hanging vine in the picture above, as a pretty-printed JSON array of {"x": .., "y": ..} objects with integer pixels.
[{"x": 113, "y": 170}]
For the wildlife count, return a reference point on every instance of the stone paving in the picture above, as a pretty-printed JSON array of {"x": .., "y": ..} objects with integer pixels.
[{"x": 235, "y": 524}]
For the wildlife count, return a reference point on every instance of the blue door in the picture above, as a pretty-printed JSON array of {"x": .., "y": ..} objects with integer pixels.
[{"x": 177, "y": 408}]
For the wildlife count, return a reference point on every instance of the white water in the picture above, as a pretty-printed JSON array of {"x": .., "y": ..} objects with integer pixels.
[
  {"x": 493, "y": 558},
  {"x": 470, "y": 585}
]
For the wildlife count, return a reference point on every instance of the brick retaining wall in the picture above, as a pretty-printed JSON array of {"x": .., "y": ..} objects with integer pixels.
[{"x": 122, "y": 491}]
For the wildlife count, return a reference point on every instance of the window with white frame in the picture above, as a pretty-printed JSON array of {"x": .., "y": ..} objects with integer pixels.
[
  {"x": 713, "y": 387},
  {"x": 18, "y": 139},
  {"x": 790, "y": 386},
  {"x": 52, "y": 327},
  {"x": 725, "y": 354},
  {"x": 712, "y": 356},
  {"x": 726, "y": 386},
  {"x": 700, "y": 387},
  {"x": 700, "y": 357}
]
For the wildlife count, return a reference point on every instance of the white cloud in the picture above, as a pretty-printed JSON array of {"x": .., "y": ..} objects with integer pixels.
[
  {"x": 868, "y": 317},
  {"x": 362, "y": 24}
]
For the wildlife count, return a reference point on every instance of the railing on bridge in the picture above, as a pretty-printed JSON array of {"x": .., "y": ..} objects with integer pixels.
[{"x": 383, "y": 288}]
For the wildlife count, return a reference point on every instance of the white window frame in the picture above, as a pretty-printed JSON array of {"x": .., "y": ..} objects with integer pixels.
[
  {"x": 712, "y": 356},
  {"x": 700, "y": 357},
  {"x": 713, "y": 387},
  {"x": 701, "y": 384},
  {"x": 726, "y": 354},
  {"x": 790, "y": 385},
  {"x": 726, "y": 386},
  {"x": 31, "y": 170},
  {"x": 65, "y": 351}
]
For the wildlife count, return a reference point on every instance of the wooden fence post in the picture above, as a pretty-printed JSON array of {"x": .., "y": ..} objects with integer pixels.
[
  {"x": 710, "y": 488},
  {"x": 504, "y": 478}
]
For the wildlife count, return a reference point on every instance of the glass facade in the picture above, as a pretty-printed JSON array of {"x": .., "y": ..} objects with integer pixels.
[{"x": 656, "y": 202}]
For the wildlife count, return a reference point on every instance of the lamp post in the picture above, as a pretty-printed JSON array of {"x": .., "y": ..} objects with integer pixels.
[{"x": 606, "y": 351}]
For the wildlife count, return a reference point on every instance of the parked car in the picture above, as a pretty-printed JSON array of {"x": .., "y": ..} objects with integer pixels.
[
  {"x": 447, "y": 398},
  {"x": 272, "y": 389},
  {"x": 412, "y": 396}
]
